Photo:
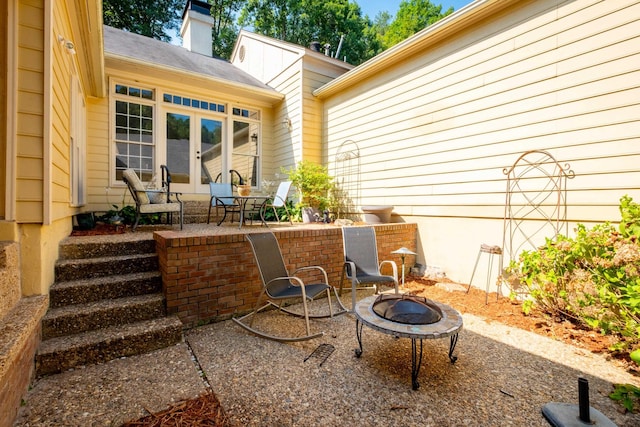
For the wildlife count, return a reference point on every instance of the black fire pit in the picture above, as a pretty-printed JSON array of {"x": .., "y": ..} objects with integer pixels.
[
  {"x": 407, "y": 309},
  {"x": 409, "y": 316}
]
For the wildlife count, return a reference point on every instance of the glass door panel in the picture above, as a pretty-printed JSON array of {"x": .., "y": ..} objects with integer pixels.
[
  {"x": 244, "y": 158},
  {"x": 179, "y": 150},
  {"x": 209, "y": 154}
]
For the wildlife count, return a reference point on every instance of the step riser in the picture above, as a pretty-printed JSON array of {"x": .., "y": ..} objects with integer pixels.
[
  {"x": 101, "y": 268},
  {"x": 82, "y": 250},
  {"x": 73, "y": 323},
  {"x": 86, "y": 292},
  {"x": 106, "y": 303},
  {"x": 99, "y": 352}
]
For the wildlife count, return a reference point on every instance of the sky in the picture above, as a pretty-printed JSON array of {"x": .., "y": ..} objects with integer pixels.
[{"x": 372, "y": 7}]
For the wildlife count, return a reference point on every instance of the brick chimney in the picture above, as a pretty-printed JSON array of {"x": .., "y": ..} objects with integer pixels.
[{"x": 197, "y": 24}]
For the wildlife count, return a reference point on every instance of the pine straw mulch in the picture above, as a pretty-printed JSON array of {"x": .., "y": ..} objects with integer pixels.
[
  {"x": 201, "y": 411},
  {"x": 207, "y": 411}
]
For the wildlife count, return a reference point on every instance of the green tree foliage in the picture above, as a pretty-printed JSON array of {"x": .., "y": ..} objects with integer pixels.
[
  {"x": 412, "y": 16},
  {"x": 224, "y": 31},
  {"x": 154, "y": 19},
  {"x": 304, "y": 21}
]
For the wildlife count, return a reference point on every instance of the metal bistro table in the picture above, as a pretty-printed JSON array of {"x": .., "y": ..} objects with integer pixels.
[
  {"x": 448, "y": 326},
  {"x": 255, "y": 207}
]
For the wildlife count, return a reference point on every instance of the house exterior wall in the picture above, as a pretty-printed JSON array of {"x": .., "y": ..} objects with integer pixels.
[
  {"x": 102, "y": 190},
  {"x": 36, "y": 192},
  {"x": 314, "y": 75},
  {"x": 30, "y": 151},
  {"x": 295, "y": 72},
  {"x": 436, "y": 129},
  {"x": 288, "y": 149},
  {"x": 264, "y": 61}
]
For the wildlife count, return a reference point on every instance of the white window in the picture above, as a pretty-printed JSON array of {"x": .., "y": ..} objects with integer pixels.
[{"x": 134, "y": 131}]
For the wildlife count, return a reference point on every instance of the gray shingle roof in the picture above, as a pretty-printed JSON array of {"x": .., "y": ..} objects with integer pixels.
[{"x": 145, "y": 49}]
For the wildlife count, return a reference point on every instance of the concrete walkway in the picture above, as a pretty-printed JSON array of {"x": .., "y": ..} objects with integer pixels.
[{"x": 503, "y": 376}]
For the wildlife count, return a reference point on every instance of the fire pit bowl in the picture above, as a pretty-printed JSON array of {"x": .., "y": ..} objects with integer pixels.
[{"x": 407, "y": 309}]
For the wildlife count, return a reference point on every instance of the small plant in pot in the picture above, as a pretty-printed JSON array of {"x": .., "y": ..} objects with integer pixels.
[{"x": 314, "y": 184}]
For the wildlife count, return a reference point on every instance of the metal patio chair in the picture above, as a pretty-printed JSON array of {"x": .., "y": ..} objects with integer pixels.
[
  {"x": 279, "y": 285},
  {"x": 151, "y": 201},
  {"x": 361, "y": 264},
  {"x": 279, "y": 200},
  {"x": 222, "y": 198}
]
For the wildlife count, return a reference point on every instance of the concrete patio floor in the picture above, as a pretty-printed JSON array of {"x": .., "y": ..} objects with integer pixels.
[{"x": 503, "y": 376}]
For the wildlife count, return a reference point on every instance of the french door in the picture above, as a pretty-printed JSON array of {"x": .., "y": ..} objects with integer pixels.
[{"x": 194, "y": 150}]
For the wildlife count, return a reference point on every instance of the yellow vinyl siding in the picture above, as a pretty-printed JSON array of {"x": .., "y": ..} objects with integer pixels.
[
  {"x": 437, "y": 128},
  {"x": 312, "y": 118},
  {"x": 30, "y": 115},
  {"x": 287, "y": 151},
  {"x": 449, "y": 121},
  {"x": 62, "y": 69},
  {"x": 98, "y": 154}
]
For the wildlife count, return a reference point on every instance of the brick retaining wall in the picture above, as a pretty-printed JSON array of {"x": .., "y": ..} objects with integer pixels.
[{"x": 210, "y": 277}]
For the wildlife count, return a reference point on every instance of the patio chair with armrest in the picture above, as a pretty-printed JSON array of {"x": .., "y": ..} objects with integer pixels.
[
  {"x": 279, "y": 200},
  {"x": 278, "y": 285},
  {"x": 361, "y": 264},
  {"x": 222, "y": 198},
  {"x": 151, "y": 201}
]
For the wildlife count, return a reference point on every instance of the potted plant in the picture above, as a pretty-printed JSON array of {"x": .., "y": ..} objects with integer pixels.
[
  {"x": 244, "y": 189},
  {"x": 314, "y": 184}
]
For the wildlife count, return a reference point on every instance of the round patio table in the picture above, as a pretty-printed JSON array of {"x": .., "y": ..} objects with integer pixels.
[{"x": 448, "y": 326}]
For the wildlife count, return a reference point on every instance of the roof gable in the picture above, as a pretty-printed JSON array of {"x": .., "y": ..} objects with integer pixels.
[{"x": 266, "y": 58}]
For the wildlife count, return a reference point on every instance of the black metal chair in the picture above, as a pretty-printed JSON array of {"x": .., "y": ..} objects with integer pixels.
[
  {"x": 279, "y": 285},
  {"x": 222, "y": 198},
  {"x": 361, "y": 261}
]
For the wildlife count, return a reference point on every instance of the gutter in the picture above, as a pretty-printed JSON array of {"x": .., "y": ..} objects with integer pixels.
[{"x": 441, "y": 30}]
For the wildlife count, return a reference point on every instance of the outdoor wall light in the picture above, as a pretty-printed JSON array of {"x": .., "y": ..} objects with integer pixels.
[
  {"x": 67, "y": 44},
  {"x": 286, "y": 124},
  {"x": 254, "y": 137}
]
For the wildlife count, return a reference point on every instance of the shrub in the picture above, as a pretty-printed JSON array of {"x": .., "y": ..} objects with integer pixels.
[
  {"x": 592, "y": 279},
  {"x": 313, "y": 182}
]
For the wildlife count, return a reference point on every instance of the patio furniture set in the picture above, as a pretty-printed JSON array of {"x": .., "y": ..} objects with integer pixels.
[{"x": 403, "y": 315}]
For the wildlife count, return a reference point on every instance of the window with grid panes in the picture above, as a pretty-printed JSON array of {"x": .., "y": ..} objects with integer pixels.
[{"x": 134, "y": 139}]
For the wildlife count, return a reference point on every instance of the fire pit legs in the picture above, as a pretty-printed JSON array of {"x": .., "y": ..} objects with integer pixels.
[
  {"x": 359, "y": 326},
  {"x": 452, "y": 346},
  {"x": 416, "y": 362}
]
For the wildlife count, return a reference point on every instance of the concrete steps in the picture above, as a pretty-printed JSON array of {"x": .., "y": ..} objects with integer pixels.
[
  {"x": 101, "y": 345},
  {"x": 106, "y": 303}
]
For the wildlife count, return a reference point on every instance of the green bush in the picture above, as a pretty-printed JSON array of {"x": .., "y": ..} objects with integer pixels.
[
  {"x": 592, "y": 279},
  {"x": 313, "y": 182}
]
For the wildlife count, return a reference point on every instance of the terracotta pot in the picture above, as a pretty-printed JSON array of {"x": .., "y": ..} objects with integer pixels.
[{"x": 244, "y": 190}]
